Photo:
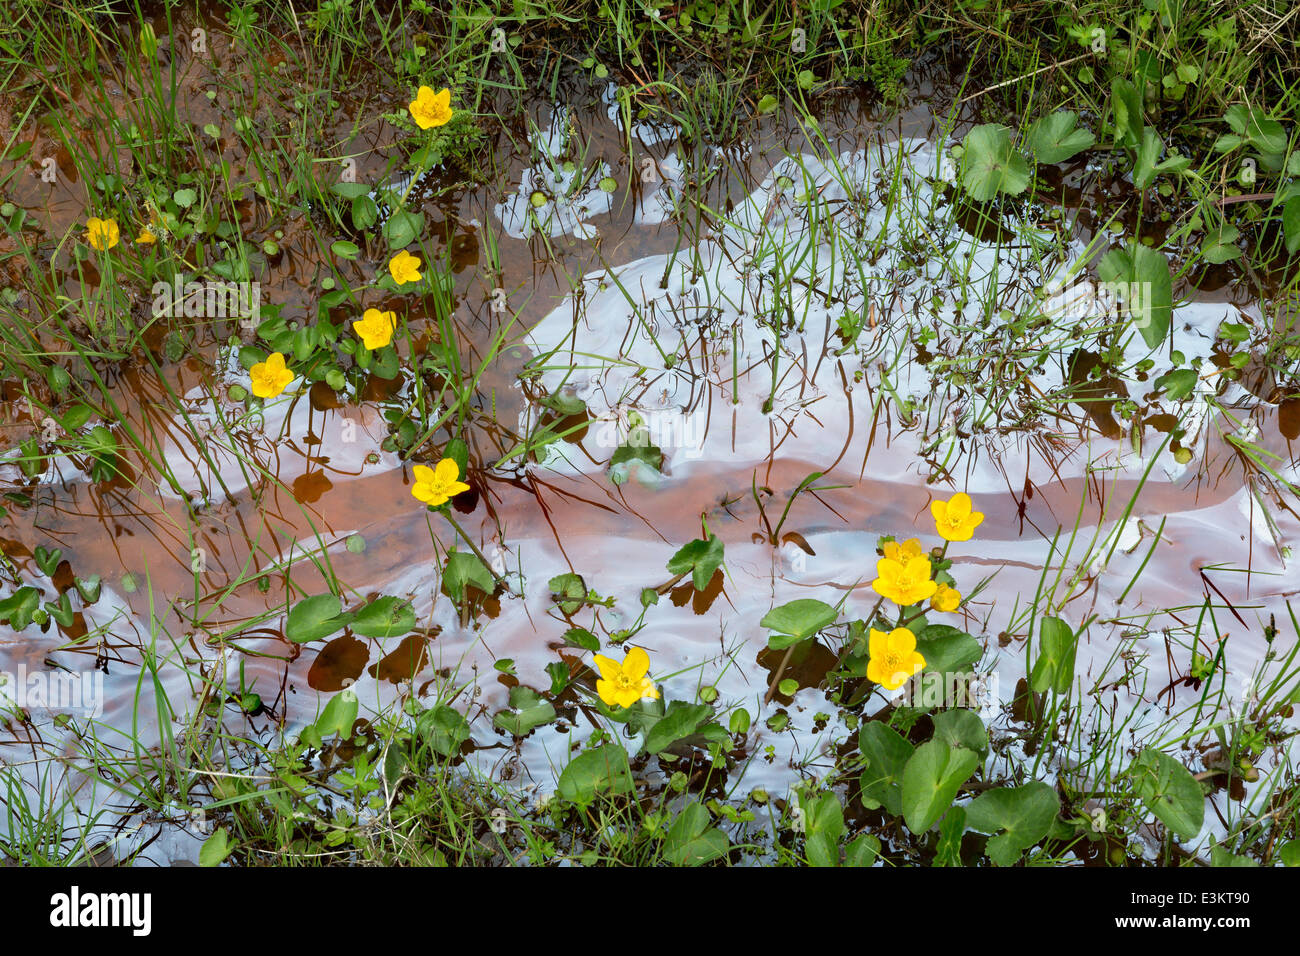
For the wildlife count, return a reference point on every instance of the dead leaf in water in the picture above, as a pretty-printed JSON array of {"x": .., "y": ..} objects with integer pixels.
[
  {"x": 403, "y": 663},
  {"x": 338, "y": 665}
]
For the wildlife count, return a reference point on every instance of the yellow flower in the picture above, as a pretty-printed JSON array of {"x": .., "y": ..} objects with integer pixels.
[
  {"x": 946, "y": 599},
  {"x": 431, "y": 109},
  {"x": 404, "y": 268},
  {"x": 102, "y": 233},
  {"x": 146, "y": 237},
  {"x": 622, "y": 685},
  {"x": 270, "y": 377},
  {"x": 375, "y": 328},
  {"x": 954, "y": 519},
  {"x": 902, "y": 553},
  {"x": 893, "y": 657},
  {"x": 438, "y": 485},
  {"x": 904, "y": 583}
]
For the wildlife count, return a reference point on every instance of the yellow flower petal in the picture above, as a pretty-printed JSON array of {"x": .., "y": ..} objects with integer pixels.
[
  {"x": 447, "y": 470},
  {"x": 902, "y": 641},
  {"x": 636, "y": 664},
  {"x": 609, "y": 668}
]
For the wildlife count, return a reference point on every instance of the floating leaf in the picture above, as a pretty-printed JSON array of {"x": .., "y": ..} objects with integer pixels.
[
  {"x": 701, "y": 558},
  {"x": 384, "y": 617},
  {"x": 991, "y": 165},
  {"x": 1177, "y": 384},
  {"x": 1139, "y": 277},
  {"x": 691, "y": 841},
  {"x": 602, "y": 770},
  {"x": 1169, "y": 790},
  {"x": 529, "y": 709},
  {"x": 570, "y": 591},
  {"x": 315, "y": 618},
  {"x": 931, "y": 779},
  {"x": 679, "y": 720},
  {"x": 1020, "y": 816},
  {"x": 797, "y": 621}
]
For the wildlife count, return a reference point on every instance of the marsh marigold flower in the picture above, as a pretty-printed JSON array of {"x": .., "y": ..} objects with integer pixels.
[
  {"x": 270, "y": 377},
  {"x": 146, "y": 237},
  {"x": 893, "y": 657},
  {"x": 438, "y": 485},
  {"x": 946, "y": 599},
  {"x": 102, "y": 233},
  {"x": 904, "y": 582},
  {"x": 375, "y": 328},
  {"x": 404, "y": 268},
  {"x": 430, "y": 109},
  {"x": 622, "y": 685},
  {"x": 954, "y": 519}
]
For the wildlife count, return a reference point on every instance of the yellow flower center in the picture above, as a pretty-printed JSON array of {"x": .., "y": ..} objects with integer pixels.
[
  {"x": 623, "y": 682},
  {"x": 893, "y": 663}
]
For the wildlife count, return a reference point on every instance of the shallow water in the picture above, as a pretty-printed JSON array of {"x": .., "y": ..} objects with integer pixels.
[{"x": 290, "y": 490}]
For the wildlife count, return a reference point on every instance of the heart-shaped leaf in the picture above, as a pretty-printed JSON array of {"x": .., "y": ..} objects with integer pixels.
[
  {"x": 1139, "y": 277},
  {"x": 444, "y": 729},
  {"x": 701, "y": 558},
  {"x": 528, "y": 709},
  {"x": 1022, "y": 814},
  {"x": 961, "y": 728},
  {"x": 315, "y": 618},
  {"x": 947, "y": 650},
  {"x": 691, "y": 841},
  {"x": 462, "y": 570},
  {"x": 570, "y": 591},
  {"x": 1170, "y": 792},
  {"x": 1056, "y": 137},
  {"x": 339, "y": 715},
  {"x": 931, "y": 779},
  {"x": 1054, "y": 668},
  {"x": 679, "y": 720},
  {"x": 18, "y": 609},
  {"x": 797, "y": 621},
  {"x": 384, "y": 617},
  {"x": 990, "y": 164},
  {"x": 886, "y": 754},
  {"x": 89, "y": 588},
  {"x": 602, "y": 770},
  {"x": 46, "y": 559}
]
